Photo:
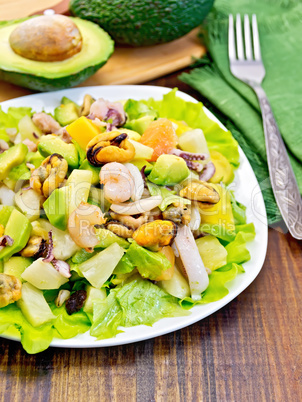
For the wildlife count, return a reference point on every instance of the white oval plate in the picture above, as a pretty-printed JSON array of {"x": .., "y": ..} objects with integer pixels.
[{"x": 246, "y": 189}]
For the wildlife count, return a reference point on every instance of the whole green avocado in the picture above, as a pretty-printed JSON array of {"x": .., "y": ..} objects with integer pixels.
[{"x": 141, "y": 22}]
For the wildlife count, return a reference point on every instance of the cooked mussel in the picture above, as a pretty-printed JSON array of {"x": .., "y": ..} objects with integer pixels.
[
  {"x": 156, "y": 234},
  {"x": 110, "y": 147},
  {"x": 36, "y": 247},
  {"x": 47, "y": 177},
  {"x": 119, "y": 229},
  {"x": 200, "y": 191}
]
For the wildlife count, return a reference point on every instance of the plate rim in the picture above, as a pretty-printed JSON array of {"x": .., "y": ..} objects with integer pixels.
[{"x": 91, "y": 342}]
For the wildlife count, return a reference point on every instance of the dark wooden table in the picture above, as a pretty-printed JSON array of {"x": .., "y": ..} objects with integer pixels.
[{"x": 250, "y": 350}]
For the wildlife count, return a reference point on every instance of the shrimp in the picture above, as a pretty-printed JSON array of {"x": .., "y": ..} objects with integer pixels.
[
  {"x": 81, "y": 225},
  {"x": 46, "y": 123},
  {"x": 118, "y": 182}
]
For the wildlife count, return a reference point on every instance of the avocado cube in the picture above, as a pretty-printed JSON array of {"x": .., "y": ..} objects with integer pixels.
[
  {"x": 18, "y": 228},
  {"x": 95, "y": 171},
  {"x": 14, "y": 156},
  {"x": 66, "y": 113},
  {"x": 169, "y": 170},
  {"x": 140, "y": 163},
  {"x": 56, "y": 209},
  {"x": 34, "y": 306},
  {"x": 16, "y": 266},
  {"x": 5, "y": 213},
  {"x": 35, "y": 158},
  {"x": 51, "y": 144}
]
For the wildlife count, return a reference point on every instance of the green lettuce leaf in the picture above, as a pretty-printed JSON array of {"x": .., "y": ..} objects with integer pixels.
[
  {"x": 124, "y": 266},
  {"x": 169, "y": 197},
  {"x": 148, "y": 263},
  {"x": 137, "y": 302},
  {"x": 107, "y": 316},
  {"x": 33, "y": 340},
  {"x": 67, "y": 325},
  {"x": 193, "y": 114},
  {"x": 139, "y": 115},
  {"x": 216, "y": 289},
  {"x": 20, "y": 172},
  {"x": 12, "y": 118},
  {"x": 238, "y": 210},
  {"x": 248, "y": 229},
  {"x": 237, "y": 251}
]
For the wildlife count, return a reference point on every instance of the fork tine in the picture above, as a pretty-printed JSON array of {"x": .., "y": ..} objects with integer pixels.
[
  {"x": 247, "y": 38},
  {"x": 239, "y": 40},
  {"x": 256, "y": 41},
  {"x": 232, "y": 46}
]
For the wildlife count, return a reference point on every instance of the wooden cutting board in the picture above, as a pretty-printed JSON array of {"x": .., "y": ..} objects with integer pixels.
[{"x": 126, "y": 66}]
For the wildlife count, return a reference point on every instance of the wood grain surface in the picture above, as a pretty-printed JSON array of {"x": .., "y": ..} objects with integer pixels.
[{"x": 248, "y": 351}]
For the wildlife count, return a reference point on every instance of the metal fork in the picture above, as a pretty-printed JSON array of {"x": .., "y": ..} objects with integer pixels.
[{"x": 247, "y": 66}]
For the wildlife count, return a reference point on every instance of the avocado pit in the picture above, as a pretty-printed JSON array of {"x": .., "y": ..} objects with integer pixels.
[{"x": 46, "y": 38}]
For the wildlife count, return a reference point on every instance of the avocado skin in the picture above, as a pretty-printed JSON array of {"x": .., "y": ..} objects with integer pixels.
[
  {"x": 43, "y": 84},
  {"x": 141, "y": 23}
]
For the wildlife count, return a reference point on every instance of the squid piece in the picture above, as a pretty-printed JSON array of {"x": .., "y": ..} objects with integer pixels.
[{"x": 192, "y": 262}]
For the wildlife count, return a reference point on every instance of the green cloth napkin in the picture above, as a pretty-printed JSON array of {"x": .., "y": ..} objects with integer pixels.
[{"x": 280, "y": 30}]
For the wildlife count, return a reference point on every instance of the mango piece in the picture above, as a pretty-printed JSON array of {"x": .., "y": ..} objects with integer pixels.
[
  {"x": 224, "y": 171},
  {"x": 218, "y": 214},
  {"x": 180, "y": 127},
  {"x": 18, "y": 228},
  {"x": 82, "y": 130}
]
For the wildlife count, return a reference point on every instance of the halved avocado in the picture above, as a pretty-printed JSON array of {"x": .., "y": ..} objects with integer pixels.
[{"x": 97, "y": 47}]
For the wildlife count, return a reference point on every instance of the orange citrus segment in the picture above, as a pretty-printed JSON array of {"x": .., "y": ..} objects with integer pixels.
[{"x": 160, "y": 136}]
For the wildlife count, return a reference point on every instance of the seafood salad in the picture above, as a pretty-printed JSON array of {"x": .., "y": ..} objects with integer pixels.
[{"x": 114, "y": 215}]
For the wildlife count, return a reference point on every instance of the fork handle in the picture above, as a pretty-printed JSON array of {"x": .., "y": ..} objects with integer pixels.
[{"x": 282, "y": 177}]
